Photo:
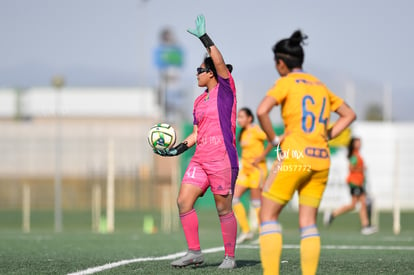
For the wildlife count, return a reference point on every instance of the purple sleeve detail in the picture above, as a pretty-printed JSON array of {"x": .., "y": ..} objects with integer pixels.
[
  {"x": 224, "y": 82},
  {"x": 227, "y": 84},
  {"x": 226, "y": 102},
  {"x": 194, "y": 119}
]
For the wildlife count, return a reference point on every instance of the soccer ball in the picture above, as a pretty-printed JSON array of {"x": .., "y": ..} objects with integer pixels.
[{"x": 161, "y": 136}]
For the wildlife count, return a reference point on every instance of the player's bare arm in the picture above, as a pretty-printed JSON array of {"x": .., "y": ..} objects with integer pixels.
[
  {"x": 219, "y": 63},
  {"x": 346, "y": 117},
  {"x": 192, "y": 138},
  {"x": 262, "y": 157},
  {"x": 262, "y": 113},
  {"x": 216, "y": 56}
]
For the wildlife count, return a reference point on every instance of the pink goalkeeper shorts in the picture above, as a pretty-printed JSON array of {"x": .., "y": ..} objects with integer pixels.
[{"x": 218, "y": 175}]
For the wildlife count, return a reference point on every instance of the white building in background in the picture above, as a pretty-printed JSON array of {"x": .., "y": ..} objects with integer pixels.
[
  {"x": 8, "y": 101},
  {"x": 88, "y": 119},
  {"x": 92, "y": 116},
  {"x": 80, "y": 134},
  {"x": 77, "y": 102}
]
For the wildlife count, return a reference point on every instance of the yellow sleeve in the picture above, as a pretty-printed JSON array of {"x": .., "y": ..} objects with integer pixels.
[
  {"x": 279, "y": 91},
  {"x": 335, "y": 101},
  {"x": 261, "y": 135}
]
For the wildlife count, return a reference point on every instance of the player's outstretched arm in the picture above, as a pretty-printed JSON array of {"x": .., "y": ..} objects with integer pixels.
[
  {"x": 346, "y": 117},
  {"x": 180, "y": 148},
  {"x": 200, "y": 32},
  {"x": 192, "y": 138}
]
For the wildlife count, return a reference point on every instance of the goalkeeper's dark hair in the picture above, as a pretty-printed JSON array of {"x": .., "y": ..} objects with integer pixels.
[
  {"x": 208, "y": 62},
  {"x": 249, "y": 113},
  {"x": 290, "y": 50}
]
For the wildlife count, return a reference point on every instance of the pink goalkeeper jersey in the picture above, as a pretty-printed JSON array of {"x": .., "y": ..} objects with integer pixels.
[{"x": 215, "y": 116}]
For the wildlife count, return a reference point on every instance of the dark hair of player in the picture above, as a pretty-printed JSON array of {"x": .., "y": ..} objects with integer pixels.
[
  {"x": 290, "y": 50},
  {"x": 208, "y": 62},
  {"x": 351, "y": 146},
  {"x": 249, "y": 114}
]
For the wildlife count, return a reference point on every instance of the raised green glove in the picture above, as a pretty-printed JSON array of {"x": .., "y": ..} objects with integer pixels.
[{"x": 200, "y": 31}]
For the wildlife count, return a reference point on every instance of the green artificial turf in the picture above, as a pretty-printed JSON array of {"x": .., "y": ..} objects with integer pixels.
[{"x": 344, "y": 249}]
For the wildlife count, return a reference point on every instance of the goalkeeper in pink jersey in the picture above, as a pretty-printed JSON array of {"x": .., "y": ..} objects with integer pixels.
[{"x": 215, "y": 162}]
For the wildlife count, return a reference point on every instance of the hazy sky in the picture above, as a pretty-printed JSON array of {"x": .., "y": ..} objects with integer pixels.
[{"x": 110, "y": 42}]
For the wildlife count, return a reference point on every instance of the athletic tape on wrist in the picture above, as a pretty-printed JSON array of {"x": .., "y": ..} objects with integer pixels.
[
  {"x": 276, "y": 141},
  {"x": 206, "y": 40},
  {"x": 181, "y": 148}
]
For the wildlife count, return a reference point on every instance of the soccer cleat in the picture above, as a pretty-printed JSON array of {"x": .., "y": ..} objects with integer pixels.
[
  {"x": 328, "y": 218},
  {"x": 228, "y": 263},
  {"x": 368, "y": 230},
  {"x": 191, "y": 258},
  {"x": 244, "y": 237}
]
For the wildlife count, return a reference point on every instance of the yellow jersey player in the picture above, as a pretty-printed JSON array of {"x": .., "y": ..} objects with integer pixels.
[
  {"x": 253, "y": 171},
  {"x": 303, "y": 158}
]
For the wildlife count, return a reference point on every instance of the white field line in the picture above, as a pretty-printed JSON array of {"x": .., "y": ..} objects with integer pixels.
[{"x": 97, "y": 269}]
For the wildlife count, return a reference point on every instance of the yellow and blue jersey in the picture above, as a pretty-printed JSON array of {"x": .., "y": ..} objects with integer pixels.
[{"x": 306, "y": 104}]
